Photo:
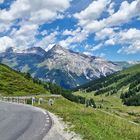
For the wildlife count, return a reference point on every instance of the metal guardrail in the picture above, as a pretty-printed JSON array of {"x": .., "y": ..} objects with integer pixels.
[
  {"x": 25, "y": 99},
  {"x": 22, "y": 100}
]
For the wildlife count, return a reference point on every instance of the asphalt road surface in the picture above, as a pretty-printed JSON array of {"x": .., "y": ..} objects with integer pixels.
[{"x": 21, "y": 122}]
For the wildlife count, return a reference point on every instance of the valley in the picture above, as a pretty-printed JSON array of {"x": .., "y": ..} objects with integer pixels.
[
  {"x": 69, "y": 69},
  {"x": 117, "y": 94},
  {"x": 109, "y": 119}
]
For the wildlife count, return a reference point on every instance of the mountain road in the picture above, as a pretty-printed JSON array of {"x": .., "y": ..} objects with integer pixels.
[{"x": 23, "y": 122}]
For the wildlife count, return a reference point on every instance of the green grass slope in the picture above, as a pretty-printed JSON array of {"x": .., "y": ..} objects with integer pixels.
[
  {"x": 92, "y": 124},
  {"x": 14, "y": 83}
]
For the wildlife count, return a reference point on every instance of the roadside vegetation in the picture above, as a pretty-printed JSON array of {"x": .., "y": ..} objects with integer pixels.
[{"x": 91, "y": 123}]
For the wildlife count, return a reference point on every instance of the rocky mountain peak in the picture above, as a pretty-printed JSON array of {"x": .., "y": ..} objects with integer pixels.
[
  {"x": 57, "y": 50},
  {"x": 57, "y": 47}
]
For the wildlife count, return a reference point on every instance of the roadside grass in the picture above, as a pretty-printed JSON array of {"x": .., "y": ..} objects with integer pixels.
[{"x": 92, "y": 124}]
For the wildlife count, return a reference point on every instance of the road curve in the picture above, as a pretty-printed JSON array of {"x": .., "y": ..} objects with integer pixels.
[{"x": 22, "y": 122}]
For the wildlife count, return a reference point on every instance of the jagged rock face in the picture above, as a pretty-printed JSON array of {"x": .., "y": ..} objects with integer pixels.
[{"x": 59, "y": 65}]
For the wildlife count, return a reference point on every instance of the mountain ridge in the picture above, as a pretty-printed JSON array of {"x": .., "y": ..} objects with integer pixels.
[{"x": 59, "y": 65}]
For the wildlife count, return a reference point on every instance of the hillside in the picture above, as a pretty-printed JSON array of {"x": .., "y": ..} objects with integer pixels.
[
  {"x": 124, "y": 84},
  {"x": 13, "y": 83},
  {"x": 92, "y": 124},
  {"x": 58, "y": 65}
]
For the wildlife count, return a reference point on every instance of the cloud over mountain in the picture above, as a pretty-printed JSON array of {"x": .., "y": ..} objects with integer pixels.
[{"x": 98, "y": 24}]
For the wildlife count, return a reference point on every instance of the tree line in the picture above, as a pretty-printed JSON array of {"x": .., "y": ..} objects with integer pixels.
[
  {"x": 55, "y": 89},
  {"x": 132, "y": 96}
]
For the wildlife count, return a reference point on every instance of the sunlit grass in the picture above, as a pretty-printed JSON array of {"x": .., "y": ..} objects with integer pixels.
[{"x": 92, "y": 124}]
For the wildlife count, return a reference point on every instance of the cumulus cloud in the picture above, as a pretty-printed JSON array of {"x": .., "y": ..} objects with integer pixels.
[
  {"x": 47, "y": 40},
  {"x": 97, "y": 47},
  {"x": 131, "y": 49},
  {"x": 89, "y": 20},
  {"x": 92, "y": 12},
  {"x": 71, "y": 32},
  {"x": 110, "y": 42},
  {"x": 104, "y": 33},
  {"x": 31, "y": 14},
  {"x": 34, "y": 10},
  {"x": 1, "y": 1},
  {"x": 5, "y": 42},
  {"x": 125, "y": 13},
  {"x": 108, "y": 29},
  {"x": 131, "y": 40},
  {"x": 75, "y": 36},
  {"x": 100, "y": 19},
  {"x": 110, "y": 9}
]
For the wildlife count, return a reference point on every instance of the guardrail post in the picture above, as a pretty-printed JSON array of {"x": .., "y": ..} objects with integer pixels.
[
  {"x": 17, "y": 100},
  {"x": 33, "y": 100},
  {"x": 40, "y": 100},
  {"x": 24, "y": 101}
]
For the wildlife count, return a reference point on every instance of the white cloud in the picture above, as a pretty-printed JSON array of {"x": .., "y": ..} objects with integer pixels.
[
  {"x": 125, "y": 13},
  {"x": 4, "y": 26},
  {"x": 111, "y": 8},
  {"x": 1, "y": 1},
  {"x": 44, "y": 32},
  {"x": 76, "y": 36},
  {"x": 47, "y": 40},
  {"x": 110, "y": 42},
  {"x": 71, "y": 32},
  {"x": 34, "y": 10},
  {"x": 32, "y": 13},
  {"x": 92, "y": 12},
  {"x": 97, "y": 47},
  {"x": 5, "y": 42},
  {"x": 89, "y": 17},
  {"x": 25, "y": 36},
  {"x": 131, "y": 49},
  {"x": 132, "y": 34},
  {"x": 104, "y": 33},
  {"x": 26, "y": 30},
  {"x": 108, "y": 29},
  {"x": 95, "y": 26},
  {"x": 130, "y": 39},
  {"x": 87, "y": 53}
]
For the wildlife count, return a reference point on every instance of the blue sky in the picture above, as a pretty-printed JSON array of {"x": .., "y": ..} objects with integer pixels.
[{"x": 106, "y": 28}]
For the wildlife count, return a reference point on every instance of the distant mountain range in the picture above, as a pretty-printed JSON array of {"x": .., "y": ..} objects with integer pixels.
[
  {"x": 126, "y": 64},
  {"x": 59, "y": 65}
]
